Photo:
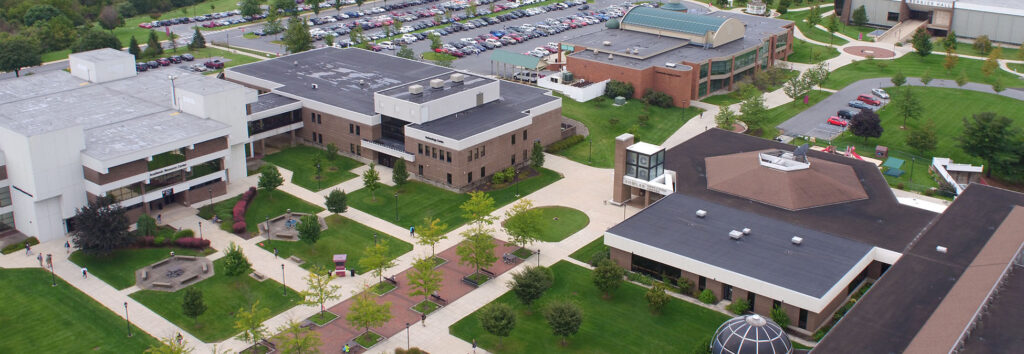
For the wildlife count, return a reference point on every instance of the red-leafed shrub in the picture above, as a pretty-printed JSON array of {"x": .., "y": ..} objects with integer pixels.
[
  {"x": 238, "y": 227},
  {"x": 249, "y": 194},
  {"x": 238, "y": 212},
  {"x": 192, "y": 242}
]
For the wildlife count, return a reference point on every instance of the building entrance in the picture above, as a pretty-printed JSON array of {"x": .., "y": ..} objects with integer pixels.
[{"x": 385, "y": 160}]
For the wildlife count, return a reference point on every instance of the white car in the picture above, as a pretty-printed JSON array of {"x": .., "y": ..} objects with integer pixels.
[
  {"x": 468, "y": 40},
  {"x": 387, "y": 45},
  {"x": 408, "y": 38},
  {"x": 494, "y": 42},
  {"x": 406, "y": 29},
  {"x": 880, "y": 93}
]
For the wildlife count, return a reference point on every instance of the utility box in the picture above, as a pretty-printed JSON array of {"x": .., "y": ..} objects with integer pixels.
[{"x": 881, "y": 151}]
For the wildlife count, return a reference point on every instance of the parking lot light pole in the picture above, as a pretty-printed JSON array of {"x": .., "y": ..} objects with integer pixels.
[
  {"x": 396, "y": 206},
  {"x": 53, "y": 278},
  {"x": 284, "y": 288}
]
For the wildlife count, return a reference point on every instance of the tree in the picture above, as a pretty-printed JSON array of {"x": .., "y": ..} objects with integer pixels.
[
  {"x": 923, "y": 139},
  {"x": 332, "y": 152},
  {"x": 478, "y": 208},
  {"x": 95, "y": 39},
  {"x": 950, "y": 61},
  {"x": 922, "y": 42},
  {"x": 270, "y": 179},
  {"x": 471, "y": 10},
  {"x": 435, "y": 41},
  {"x": 198, "y": 41},
  {"x": 529, "y": 284},
  {"x": 832, "y": 24},
  {"x": 170, "y": 345},
  {"x": 817, "y": 75},
  {"x": 497, "y": 319},
  {"x": 982, "y": 44},
  {"x": 235, "y": 262},
  {"x": 725, "y": 117},
  {"x": 359, "y": 3},
  {"x": 866, "y": 124},
  {"x": 377, "y": 259},
  {"x": 329, "y": 39},
  {"x": 926, "y": 77},
  {"x": 309, "y": 228},
  {"x": 318, "y": 167},
  {"x": 908, "y": 106},
  {"x": 145, "y": 225},
  {"x": 753, "y": 109},
  {"x": 294, "y": 339},
  {"x": 405, "y": 52},
  {"x": 738, "y": 306},
  {"x": 477, "y": 249},
  {"x": 522, "y": 223},
  {"x": 795, "y": 88},
  {"x": 992, "y": 63},
  {"x": 133, "y": 47},
  {"x": 172, "y": 42},
  {"x": 337, "y": 5},
  {"x": 962, "y": 79},
  {"x": 899, "y": 79},
  {"x": 153, "y": 47},
  {"x": 40, "y": 13},
  {"x": 366, "y": 313},
  {"x": 707, "y": 297},
  {"x": 399, "y": 175},
  {"x": 250, "y": 323},
  {"x": 536, "y": 156},
  {"x": 315, "y": 5},
  {"x": 813, "y": 16},
  {"x": 564, "y": 318},
  {"x": 949, "y": 43},
  {"x": 110, "y": 19},
  {"x": 657, "y": 298},
  {"x": 780, "y": 316},
  {"x": 997, "y": 85},
  {"x": 288, "y": 6},
  {"x": 356, "y": 36},
  {"x": 371, "y": 180},
  {"x": 430, "y": 232},
  {"x": 990, "y": 138},
  {"x": 319, "y": 288},
  {"x": 193, "y": 305},
  {"x": 249, "y": 7},
  {"x": 608, "y": 276},
  {"x": 424, "y": 278},
  {"x": 337, "y": 201},
  {"x": 101, "y": 227},
  {"x": 296, "y": 36},
  {"x": 860, "y": 16}
]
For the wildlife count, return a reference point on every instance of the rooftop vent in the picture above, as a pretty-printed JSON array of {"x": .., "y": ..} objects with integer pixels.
[
  {"x": 636, "y": 51},
  {"x": 735, "y": 234},
  {"x": 671, "y": 65},
  {"x": 606, "y": 43},
  {"x": 595, "y": 50},
  {"x": 295, "y": 63},
  {"x": 458, "y": 77},
  {"x": 702, "y": 213},
  {"x": 610, "y": 56},
  {"x": 941, "y": 249},
  {"x": 415, "y": 89},
  {"x": 315, "y": 86},
  {"x": 796, "y": 240},
  {"x": 746, "y": 231},
  {"x": 436, "y": 83}
]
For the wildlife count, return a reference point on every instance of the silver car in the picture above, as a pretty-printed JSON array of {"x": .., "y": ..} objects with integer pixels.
[{"x": 880, "y": 93}]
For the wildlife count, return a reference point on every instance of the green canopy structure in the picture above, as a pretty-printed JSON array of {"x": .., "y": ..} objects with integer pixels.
[{"x": 893, "y": 162}]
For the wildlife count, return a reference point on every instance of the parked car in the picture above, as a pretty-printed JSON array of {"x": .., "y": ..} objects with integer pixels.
[
  {"x": 869, "y": 100},
  {"x": 153, "y": 64},
  {"x": 861, "y": 105},
  {"x": 880, "y": 93},
  {"x": 845, "y": 114},
  {"x": 214, "y": 64},
  {"x": 175, "y": 59},
  {"x": 387, "y": 45},
  {"x": 833, "y": 120},
  {"x": 188, "y": 57},
  {"x": 141, "y": 67},
  {"x": 164, "y": 61}
]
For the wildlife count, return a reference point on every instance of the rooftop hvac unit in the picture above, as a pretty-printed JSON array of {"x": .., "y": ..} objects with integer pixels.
[
  {"x": 606, "y": 43},
  {"x": 636, "y": 51},
  {"x": 796, "y": 240},
  {"x": 416, "y": 89},
  {"x": 746, "y": 231},
  {"x": 702, "y": 213},
  {"x": 671, "y": 65},
  {"x": 610, "y": 56},
  {"x": 436, "y": 83},
  {"x": 941, "y": 249},
  {"x": 314, "y": 86},
  {"x": 735, "y": 235},
  {"x": 456, "y": 77},
  {"x": 595, "y": 51}
]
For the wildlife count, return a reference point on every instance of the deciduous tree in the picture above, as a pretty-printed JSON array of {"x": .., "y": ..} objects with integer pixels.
[
  {"x": 371, "y": 180},
  {"x": 477, "y": 249},
  {"x": 270, "y": 179},
  {"x": 899, "y": 79},
  {"x": 754, "y": 110},
  {"x": 908, "y": 106},
  {"x": 399, "y": 174},
  {"x": 866, "y": 124},
  {"x": 608, "y": 276},
  {"x": 405, "y": 52},
  {"x": 295, "y": 339},
  {"x": 296, "y": 36},
  {"x": 832, "y": 24},
  {"x": 564, "y": 318},
  {"x": 95, "y": 39},
  {"x": 309, "y": 228},
  {"x": 922, "y": 42},
  {"x": 950, "y": 61},
  {"x": 235, "y": 262},
  {"x": 377, "y": 259},
  {"x": 991, "y": 138},
  {"x": 860, "y": 16},
  {"x": 250, "y": 323},
  {"x": 992, "y": 63},
  {"x": 725, "y": 118},
  {"x": 424, "y": 278},
  {"x": 530, "y": 284},
  {"x": 101, "y": 227},
  {"x": 949, "y": 43},
  {"x": 522, "y": 223},
  {"x": 337, "y": 201},
  {"x": 537, "y": 155},
  {"x": 926, "y": 77},
  {"x": 657, "y": 298},
  {"x": 498, "y": 319},
  {"x": 923, "y": 139},
  {"x": 110, "y": 19},
  {"x": 249, "y": 7},
  {"x": 478, "y": 208},
  {"x": 982, "y": 44},
  {"x": 962, "y": 79},
  {"x": 315, "y": 6},
  {"x": 170, "y": 345},
  {"x": 193, "y": 305},
  {"x": 430, "y": 232},
  {"x": 366, "y": 313},
  {"x": 319, "y": 288},
  {"x": 795, "y": 88}
]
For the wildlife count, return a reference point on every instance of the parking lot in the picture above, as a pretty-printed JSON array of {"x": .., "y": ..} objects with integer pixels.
[
  {"x": 196, "y": 65},
  {"x": 812, "y": 121}
]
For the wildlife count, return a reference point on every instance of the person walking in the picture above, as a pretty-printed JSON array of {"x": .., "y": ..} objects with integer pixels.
[
  {"x": 159, "y": 218},
  {"x": 275, "y": 252},
  {"x": 49, "y": 260},
  {"x": 85, "y": 273},
  {"x": 412, "y": 231},
  {"x": 67, "y": 247},
  {"x": 40, "y": 258},
  {"x": 28, "y": 249},
  {"x": 423, "y": 319}
]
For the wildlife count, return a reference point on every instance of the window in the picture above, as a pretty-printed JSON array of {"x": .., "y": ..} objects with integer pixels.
[
  {"x": 312, "y": 117},
  {"x": 702, "y": 89},
  {"x": 802, "y": 323},
  {"x": 6, "y": 221},
  {"x": 703, "y": 70},
  {"x": 524, "y": 135},
  {"x": 448, "y": 156},
  {"x": 726, "y": 292},
  {"x": 513, "y": 139},
  {"x": 525, "y": 156},
  {"x": 513, "y": 159},
  {"x": 751, "y": 296},
  {"x": 721, "y": 67},
  {"x": 318, "y": 119},
  {"x": 352, "y": 148},
  {"x": 433, "y": 151},
  {"x": 483, "y": 150},
  {"x": 359, "y": 151},
  {"x": 746, "y": 59},
  {"x": 421, "y": 170},
  {"x": 776, "y": 304},
  {"x": 419, "y": 147},
  {"x": 314, "y": 137},
  {"x": 477, "y": 153},
  {"x": 702, "y": 282},
  {"x": 449, "y": 178},
  {"x": 357, "y": 130},
  {"x": 483, "y": 172},
  {"x": 469, "y": 178},
  {"x": 442, "y": 154},
  {"x": 469, "y": 157},
  {"x": 5, "y": 196},
  {"x": 893, "y": 16},
  {"x": 351, "y": 128}
]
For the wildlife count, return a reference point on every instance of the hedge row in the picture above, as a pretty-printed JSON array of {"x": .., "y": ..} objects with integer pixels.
[
  {"x": 565, "y": 143},
  {"x": 238, "y": 212}
]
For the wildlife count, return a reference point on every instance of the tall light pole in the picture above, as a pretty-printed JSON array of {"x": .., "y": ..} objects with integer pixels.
[
  {"x": 516, "y": 182},
  {"x": 374, "y": 239},
  {"x": 407, "y": 345},
  {"x": 913, "y": 160},
  {"x": 200, "y": 230},
  {"x": 211, "y": 203},
  {"x": 590, "y": 154},
  {"x": 53, "y": 278},
  {"x": 396, "y": 206},
  {"x": 538, "y": 257},
  {"x": 284, "y": 289},
  {"x": 268, "y": 227},
  {"x": 127, "y": 323}
]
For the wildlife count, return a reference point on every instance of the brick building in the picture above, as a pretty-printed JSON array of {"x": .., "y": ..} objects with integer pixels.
[
  {"x": 452, "y": 128},
  {"x": 687, "y": 56}
]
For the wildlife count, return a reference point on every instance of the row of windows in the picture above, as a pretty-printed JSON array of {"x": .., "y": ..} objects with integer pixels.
[
  {"x": 433, "y": 152},
  {"x": 358, "y": 150},
  {"x": 353, "y": 129},
  {"x": 781, "y": 41},
  {"x": 703, "y": 70},
  {"x": 477, "y": 153},
  {"x": 318, "y": 138},
  {"x": 315, "y": 118},
  {"x": 746, "y": 59},
  {"x": 721, "y": 67}
]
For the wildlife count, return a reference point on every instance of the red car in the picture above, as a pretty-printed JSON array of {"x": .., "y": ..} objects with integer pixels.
[
  {"x": 164, "y": 61},
  {"x": 869, "y": 100},
  {"x": 214, "y": 64},
  {"x": 146, "y": 25},
  {"x": 836, "y": 121}
]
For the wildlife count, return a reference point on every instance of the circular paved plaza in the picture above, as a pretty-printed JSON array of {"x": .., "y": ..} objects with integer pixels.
[{"x": 865, "y": 51}]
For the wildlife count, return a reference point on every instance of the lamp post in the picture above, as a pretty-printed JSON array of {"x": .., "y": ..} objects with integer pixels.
[
  {"x": 53, "y": 278},
  {"x": 538, "y": 257},
  {"x": 374, "y": 239},
  {"x": 200, "y": 230},
  {"x": 590, "y": 154},
  {"x": 516, "y": 183},
  {"x": 407, "y": 343},
  {"x": 284, "y": 289},
  {"x": 268, "y": 227},
  {"x": 396, "y": 206},
  {"x": 211, "y": 202},
  {"x": 127, "y": 323},
  {"x": 912, "y": 163}
]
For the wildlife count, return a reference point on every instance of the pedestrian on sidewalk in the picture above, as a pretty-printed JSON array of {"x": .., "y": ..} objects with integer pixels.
[
  {"x": 85, "y": 273},
  {"x": 49, "y": 260},
  {"x": 412, "y": 231},
  {"x": 67, "y": 247},
  {"x": 28, "y": 249},
  {"x": 180, "y": 338},
  {"x": 159, "y": 218},
  {"x": 275, "y": 252},
  {"x": 40, "y": 258},
  {"x": 423, "y": 319}
]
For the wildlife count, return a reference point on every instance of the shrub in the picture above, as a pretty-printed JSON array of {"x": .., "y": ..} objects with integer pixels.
[
  {"x": 739, "y": 306},
  {"x": 192, "y": 242},
  {"x": 565, "y": 143},
  {"x": 32, "y": 241},
  {"x": 822, "y": 332},
  {"x": 145, "y": 241},
  {"x": 503, "y": 176},
  {"x": 618, "y": 88},
  {"x": 640, "y": 278},
  {"x": 145, "y": 225},
  {"x": 685, "y": 286},
  {"x": 843, "y": 310},
  {"x": 159, "y": 241},
  {"x": 238, "y": 227},
  {"x": 707, "y": 297},
  {"x": 184, "y": 233},
  {"x": 780, "y": 317},
  {"x": 657, "y": 99},
  {"x": 238, "y": 211},
  {"x": 235, "y": 262},
  {"x": 600, "y": 256},
  {"x": 900, "y": 185}
]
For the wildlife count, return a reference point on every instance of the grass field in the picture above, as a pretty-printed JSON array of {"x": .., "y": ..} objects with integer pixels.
[
  {"x": 597, "y": 114},
  {"x": 343, "y": 236},
  {"x": 679, "y": 328},
  {"x": 912, "y": 65},
  {"x": 853, "y": 31},
  {"x": 568, "y": 222},
  {"x": 586, "y": 253},
  {"x": 299, "y": 160},
  {"x": 814, "y": 33},
  {"x": 118, "y": 268},
  {"x": 968, "y": 49},
  {"x": 223, "y": 296},
  {"x": 266, "y": 204},
  {"x": 786, "y": 111},
  {"x": 810, "y": 53},
  {"x": 419, "y": 200},
  {"x": 38, "y": 318}
]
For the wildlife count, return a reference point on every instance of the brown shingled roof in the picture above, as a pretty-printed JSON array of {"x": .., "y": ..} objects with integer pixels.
[{"x": 824, "y": 183}]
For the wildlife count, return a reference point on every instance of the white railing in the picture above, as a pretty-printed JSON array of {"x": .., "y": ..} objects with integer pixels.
[
  {"x": 385, "y": 149},
  {"x": 579, "y": 94}
]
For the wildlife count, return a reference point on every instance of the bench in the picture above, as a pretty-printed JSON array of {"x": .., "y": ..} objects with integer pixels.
[
  {"x": 509, "y": 258},
  {"x": 162, "y": 284},
  {"x": 145, "y": 274},
  {"x": 296, "y": 260},
  {"x": 485, "y": 271},
  {"x": 470, "y": 282},
  {"x": 307, "y": 324},
  {"x": 258, "y": 276},
  {"x": 391, "y": 280},
  {"x": 186, "y": 258},
  {"x": 267, "y": 343},
  {"x": 206, "y": 268},
  {"x": 284, "y": 235},
  {"x": 160, "y": 263},
  {"x": 193, "y": 277},
  {"x": 439, "y": 299}
]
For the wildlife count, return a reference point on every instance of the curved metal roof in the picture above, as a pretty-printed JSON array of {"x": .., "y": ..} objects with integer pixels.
[
  {"x": 752, "y": 334},
  {"x": 672, "y": 20}
]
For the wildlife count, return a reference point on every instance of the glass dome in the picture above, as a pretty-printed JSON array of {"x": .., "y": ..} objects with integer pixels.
[{"x": 750, "y": 334}]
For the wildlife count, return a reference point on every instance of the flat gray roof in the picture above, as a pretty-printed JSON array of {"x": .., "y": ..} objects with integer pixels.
[
  {"x": 429, "y": 94},
  {"x": 514, "y": 101},
  {"x": 101, "y": 55},
  {"x": 812, "y": 268},
  {"x": 1005, "y": 4},
  {"x": 269, "y": 101},
  {"x": 118, "y": 117}
]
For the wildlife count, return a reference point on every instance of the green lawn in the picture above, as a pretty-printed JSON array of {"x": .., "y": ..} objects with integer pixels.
[
  {"x": 299, "y": 160},
  {"x": 419, "y": 200},
  {"x": 968, "y": 49},
  {"x": 568, "y": 222},
  {"x": 912, "y": 65},
  {"x": 343, "y": 235},
  {"x": 597, "y": 114},
  {"x": 1018, "y": 67},
  {"x": 786, "y": 111},
  {"x": 853, "y": 31},
  {"x": 118, "y": 268},
  {"x": 223, "y": 296},
  {"x": 814, "y": 33},
  {"x": 586, "y": 253},
  {"x": 679, "y": 328},
  {"x": 38, "y": 318},
  {"x": 265, "y": 205},
  {"x": 810, "y": 53}
]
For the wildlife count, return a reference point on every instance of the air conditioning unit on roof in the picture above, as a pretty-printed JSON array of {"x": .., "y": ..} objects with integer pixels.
[{"x": 735, "y": 234}]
